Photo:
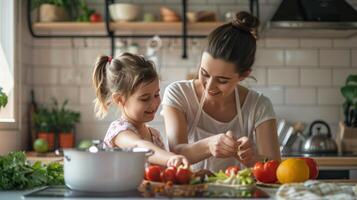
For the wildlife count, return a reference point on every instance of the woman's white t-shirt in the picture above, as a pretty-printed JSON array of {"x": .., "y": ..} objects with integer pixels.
[{"x": 255, "y": 110}]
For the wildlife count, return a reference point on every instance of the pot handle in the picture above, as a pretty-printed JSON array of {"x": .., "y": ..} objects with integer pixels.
[
  {"x": 322, "y": 123},
  {"x": 149, "y": 153},
  {"x": 68, "y": 158}
]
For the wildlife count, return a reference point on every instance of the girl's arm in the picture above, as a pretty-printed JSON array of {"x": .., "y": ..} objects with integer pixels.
[
  {"x": 267, "y": 140},
  {"x": 128, "y": 139}
]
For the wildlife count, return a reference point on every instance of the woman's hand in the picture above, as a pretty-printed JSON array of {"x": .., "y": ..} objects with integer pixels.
[
  {"x": 223, "y": 145},
  {"x": 246, "y": 152},
  {"x": 177, "y": 160}
]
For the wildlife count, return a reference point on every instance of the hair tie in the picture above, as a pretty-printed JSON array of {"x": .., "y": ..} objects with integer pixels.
[{"x": 110, "y": 59}]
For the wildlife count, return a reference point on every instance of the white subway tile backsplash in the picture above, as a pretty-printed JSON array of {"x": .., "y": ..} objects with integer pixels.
[
  {"x": 300, "y": 96},
  {"x": 289, "y": 77},
  {"x": 269, "y": 57},
  {"x": 70, "y": 76},
  {"x": 88, "y": 56},
  {"x": 330, "y": 96},
  {"x": 275, "y": 42},
  {"x": 301, "y": 57},
  {"x": 91, "y": 130},
  {"x": 307, "y": 114},
  {"x": 61, "y": 94},
  {"x": 339, "y": 58},
  {"x": 86, "y": 95},
  {"x": 354, "y": 58},
  {"x": 340, "y": 75},
  {"x": 173, "y": 74},
  {"x": 45, "y": 76},
  {"x": 275, "y": 94},
  {"x": 316, "y": 77},
  {"x": 50, "y": 57},
  {"x": 350, "y": 42},
  {"x": 55, "y": 42},
  {"x": 260, "y": 75},
  {"x": 314, "y": 43}
]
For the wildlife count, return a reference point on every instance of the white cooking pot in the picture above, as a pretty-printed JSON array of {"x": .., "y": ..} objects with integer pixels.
[{"x": 104, "y": 170}]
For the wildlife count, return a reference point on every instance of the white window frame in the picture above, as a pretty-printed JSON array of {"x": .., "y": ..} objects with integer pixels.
[{"x": 11, "y": 28}]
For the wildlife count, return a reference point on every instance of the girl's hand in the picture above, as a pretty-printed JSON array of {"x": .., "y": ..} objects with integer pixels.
[
  {"x": 223, "y": 145},
  {"x": 177, "y": 160},
  {"x": 246, "y": 153}
]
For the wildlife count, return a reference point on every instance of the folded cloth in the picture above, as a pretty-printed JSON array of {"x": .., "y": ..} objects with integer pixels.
[{"x": 313, "y": 189}]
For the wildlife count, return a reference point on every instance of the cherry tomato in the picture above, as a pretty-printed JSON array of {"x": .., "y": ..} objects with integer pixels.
[
  {"x": 183, "y": 175},
  {"x": 232, "y": 169},
  {"x": 266, "y": 171},
  {"x": 313, "y": 168},
  {"x": 152, "y": 173},
  {"x": 169, "y": 174},
  {"x": 95, "y": 17}
]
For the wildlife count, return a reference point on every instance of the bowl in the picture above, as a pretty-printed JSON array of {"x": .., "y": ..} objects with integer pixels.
[{"x": 124, "y": 11}]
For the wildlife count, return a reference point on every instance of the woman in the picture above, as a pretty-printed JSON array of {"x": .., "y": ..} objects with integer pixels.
[{"x": 214, "y": 121}]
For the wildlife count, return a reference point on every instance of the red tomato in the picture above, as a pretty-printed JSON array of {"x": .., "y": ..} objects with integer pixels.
[
  {"x": 313, "y": 168},
  {"x": 232, "y": 169},
  {"x": 266, "y": 171},
  {"x": 183, "y": 175},
  {"x": 169, "y": 174},
  {"x": 95, "y": 17},
  {"x": 152, "y": 173}
]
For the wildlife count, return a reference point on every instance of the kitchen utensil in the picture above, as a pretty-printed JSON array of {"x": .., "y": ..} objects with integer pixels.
[
  {"x": 153, "y": 46},
  {"x": 318, "y": 142},
  {"x": 100, "y": 169},
  {"x": 346, "y": 112},
  {"x": 31, "y": 126},
  {"x": 291, "y": 136},
  {"x": 282, "y": 130},
  {"x": 124, "y": 11}
]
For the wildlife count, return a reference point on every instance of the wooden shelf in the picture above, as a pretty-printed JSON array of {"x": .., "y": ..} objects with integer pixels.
[
  {"x": 68, "y": 26},
  {"x": 128, "y": 27}
]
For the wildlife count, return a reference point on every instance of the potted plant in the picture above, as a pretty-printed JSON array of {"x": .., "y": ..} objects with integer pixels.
[
  {"x": 44, "y": 125},
  {"x": 56, "y": 10},
  {"x": 3, "y": 98},
  {"x": 65, "y": 121},
  {"x": 348, "y": 128}
]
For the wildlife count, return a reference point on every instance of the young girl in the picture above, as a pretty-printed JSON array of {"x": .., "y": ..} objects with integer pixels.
[{"x": 131, "y": 82}]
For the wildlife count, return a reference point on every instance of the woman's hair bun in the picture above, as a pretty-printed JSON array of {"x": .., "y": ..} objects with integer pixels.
[{"x": 246, "y": 22}]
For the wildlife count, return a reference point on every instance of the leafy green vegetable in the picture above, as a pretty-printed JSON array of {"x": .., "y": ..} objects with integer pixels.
[
  {"x": 3, "y": 98},
  {"x": 17, "y": 174}
]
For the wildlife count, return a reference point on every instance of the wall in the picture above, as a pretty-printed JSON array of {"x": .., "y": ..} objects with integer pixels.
[{"x": 302, "y": 77}]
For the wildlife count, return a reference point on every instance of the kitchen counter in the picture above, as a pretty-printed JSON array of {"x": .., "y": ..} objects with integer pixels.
[
  {"x": 335, "y": 162},
  {"x": 17, "y": 195}
]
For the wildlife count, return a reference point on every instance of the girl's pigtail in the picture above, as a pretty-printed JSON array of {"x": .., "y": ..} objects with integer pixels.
[{"x": 101, "y": 88}]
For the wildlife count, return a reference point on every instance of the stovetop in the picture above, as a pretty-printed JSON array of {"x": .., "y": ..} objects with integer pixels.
[{"x": 65, "y": 192}]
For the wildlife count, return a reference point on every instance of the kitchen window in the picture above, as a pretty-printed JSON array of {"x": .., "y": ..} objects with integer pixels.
[{"x": 8, "y": 116}]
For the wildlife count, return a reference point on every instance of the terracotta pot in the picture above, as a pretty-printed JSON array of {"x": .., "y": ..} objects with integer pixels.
[
  {"x": 66, "y": 140},
  {"x": 49, "y": 137},
  {"x": 52, "y": 13}
]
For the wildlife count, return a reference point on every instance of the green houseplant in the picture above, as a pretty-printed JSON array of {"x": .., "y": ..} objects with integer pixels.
[
  {"x": 349, "y": 91},
  {"x": 65, "y": 121},
  {"x": 44, "y": 126},
  {"x": 56, "y": 10},
  {"x": 347, "y": 137},
  {"x": 3, "y": 98}
]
